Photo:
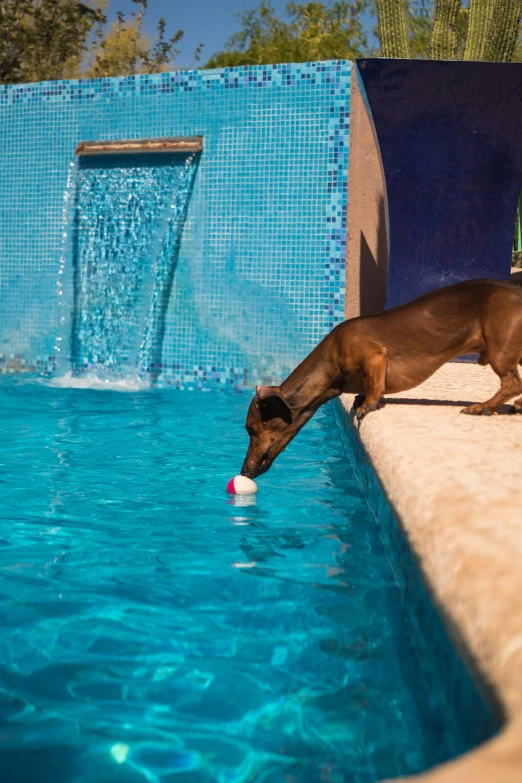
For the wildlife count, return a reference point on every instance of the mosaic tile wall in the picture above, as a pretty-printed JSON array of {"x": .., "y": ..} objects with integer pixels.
[{"x": 260, "y": 275}]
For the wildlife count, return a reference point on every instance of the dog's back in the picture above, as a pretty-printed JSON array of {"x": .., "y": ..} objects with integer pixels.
[
  {"x": 475, "y": 316},
  {"x": 451, "y": 321}
]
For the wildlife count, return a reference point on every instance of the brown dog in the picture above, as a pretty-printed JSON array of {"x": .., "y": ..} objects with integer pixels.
[{"x": 390, "y": 352}]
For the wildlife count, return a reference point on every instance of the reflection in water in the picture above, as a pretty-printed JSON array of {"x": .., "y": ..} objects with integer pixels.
[{"x": 242, "y": 500}]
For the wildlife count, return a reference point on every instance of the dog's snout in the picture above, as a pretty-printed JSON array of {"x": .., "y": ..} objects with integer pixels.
[
  {"x": 248, "y": 470},
  {"x": 254, "y": 464},
  {"x": 249, "y": 467}
]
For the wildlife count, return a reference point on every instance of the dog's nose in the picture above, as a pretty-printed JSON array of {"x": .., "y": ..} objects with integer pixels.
[{"x": 248, "y": 469}]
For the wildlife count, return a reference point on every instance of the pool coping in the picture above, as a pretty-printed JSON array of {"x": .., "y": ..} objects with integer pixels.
[{"x": 462, "y": 521}]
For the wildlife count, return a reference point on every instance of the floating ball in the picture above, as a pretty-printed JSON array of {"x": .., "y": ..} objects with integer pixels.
[{"x": 241, "y": 485}]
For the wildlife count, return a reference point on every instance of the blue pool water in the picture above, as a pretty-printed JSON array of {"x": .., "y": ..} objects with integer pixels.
[{"x": 152, "y": 630}]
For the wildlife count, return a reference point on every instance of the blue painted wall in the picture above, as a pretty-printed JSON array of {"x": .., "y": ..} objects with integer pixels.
[
  {"x": 260, "y": 277},
  {"x": 450, "y": 137}
]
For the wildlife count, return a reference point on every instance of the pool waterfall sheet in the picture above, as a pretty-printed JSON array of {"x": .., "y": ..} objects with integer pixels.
[{"x": 128, "y": 216}]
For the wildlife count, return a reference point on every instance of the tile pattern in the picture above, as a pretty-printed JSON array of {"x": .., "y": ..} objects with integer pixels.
[{"x": 261, "y": 268}]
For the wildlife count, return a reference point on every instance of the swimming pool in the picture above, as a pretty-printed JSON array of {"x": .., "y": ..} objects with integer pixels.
[{"x": 154, "y": 630}]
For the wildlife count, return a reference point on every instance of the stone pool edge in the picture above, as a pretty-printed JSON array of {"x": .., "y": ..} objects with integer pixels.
[{"x": 452, "y": 484}]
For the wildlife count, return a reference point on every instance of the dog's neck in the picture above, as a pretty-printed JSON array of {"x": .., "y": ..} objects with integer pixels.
[{"x": 313, "y": 382}]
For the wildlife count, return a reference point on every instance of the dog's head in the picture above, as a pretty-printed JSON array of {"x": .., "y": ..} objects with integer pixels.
[{"x": 270, "y": 424}]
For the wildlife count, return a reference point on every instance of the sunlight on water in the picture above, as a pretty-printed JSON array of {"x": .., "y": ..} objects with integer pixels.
[{"x": 156, "y": 631}]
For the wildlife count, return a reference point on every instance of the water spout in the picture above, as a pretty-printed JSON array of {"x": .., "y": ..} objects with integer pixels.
[{"x": 129, "y": 213}]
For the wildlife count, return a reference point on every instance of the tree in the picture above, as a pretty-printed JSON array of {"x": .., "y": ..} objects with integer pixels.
[
  {"x": 43, "y": 39},
  {"x": 125, "y": 49},
  {"x": 312, "y": 31},
  {"x": 62, "y": 39},
  {"x": 420, "y": 26}
]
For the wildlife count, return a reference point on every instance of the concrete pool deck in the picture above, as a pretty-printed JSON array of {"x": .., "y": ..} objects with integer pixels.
[{"x": 455, "y": 483}]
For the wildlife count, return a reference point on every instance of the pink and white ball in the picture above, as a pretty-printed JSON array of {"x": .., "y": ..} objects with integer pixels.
[{"x": 241, "y": 485}]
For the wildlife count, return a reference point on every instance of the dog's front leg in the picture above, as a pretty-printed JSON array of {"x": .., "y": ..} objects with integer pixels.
[{"x": 374, "y": 368}]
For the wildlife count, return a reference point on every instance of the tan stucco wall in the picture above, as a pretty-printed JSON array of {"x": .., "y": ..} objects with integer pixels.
[
  {"x": 367, "y": 242},
  {"x": 455, "y": 483}
]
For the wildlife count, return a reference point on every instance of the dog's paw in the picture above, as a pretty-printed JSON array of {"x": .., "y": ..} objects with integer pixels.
[
  {"x": 516, "y": 409},
  {"x": 364, "y": 409},
  {"x": 477, "y": 410}
]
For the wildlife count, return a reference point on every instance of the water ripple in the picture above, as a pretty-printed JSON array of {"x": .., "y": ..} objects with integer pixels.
[{"x": 154, "y": 631}]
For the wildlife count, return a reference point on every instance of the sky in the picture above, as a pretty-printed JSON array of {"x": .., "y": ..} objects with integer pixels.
[{"x": 210, "y": 22}]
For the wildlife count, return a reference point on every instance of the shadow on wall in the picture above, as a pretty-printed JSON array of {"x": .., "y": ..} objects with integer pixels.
[
  {"x": 373, "y": 269},
  {"x": 367, "y": 240}
]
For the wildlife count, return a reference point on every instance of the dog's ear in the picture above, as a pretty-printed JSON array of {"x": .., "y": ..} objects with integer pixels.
[
  {"x": 265, "y": 392},
  {"x": 273, "y": 404}
]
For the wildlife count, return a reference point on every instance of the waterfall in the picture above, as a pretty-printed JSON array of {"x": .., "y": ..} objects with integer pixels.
[{"x": 128, "y": 216}]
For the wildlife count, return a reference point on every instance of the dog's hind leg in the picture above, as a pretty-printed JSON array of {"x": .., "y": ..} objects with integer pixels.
[
  {"x": 517, "y": 404},
  {"x": 503, "y": 348},
  {"x": 510, "y": 385},
  {"x": 374, "y": 367}
]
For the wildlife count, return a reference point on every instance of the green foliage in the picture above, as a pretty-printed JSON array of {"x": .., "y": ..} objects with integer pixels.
[
  {"x": 444, "y": 39},
  {"x": 62, "y": 39},
  {"x": 54, "y": 39},
  {"x": 462, "y": 32},
  {"x": 420, "y": 24},
  {"x": 43, "y": 39},
  {"x": 312, "y": 31},
  {"x": 392, "y": 20},
  {"x": 125, "y": 49}
]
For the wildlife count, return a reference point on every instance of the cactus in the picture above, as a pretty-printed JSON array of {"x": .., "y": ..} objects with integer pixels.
[
  {"x": 517, "y": 245},
  {"x": 393, "y": 28},
  {"x": 480, "y": 16},
  {"x": 443, "y": 44},
  {"x": 492, "y": 29},
  {"x": 503, "y": 31}
]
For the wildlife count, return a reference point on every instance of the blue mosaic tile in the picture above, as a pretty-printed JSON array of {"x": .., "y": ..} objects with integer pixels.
[{"x": 261, "y": 271}]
